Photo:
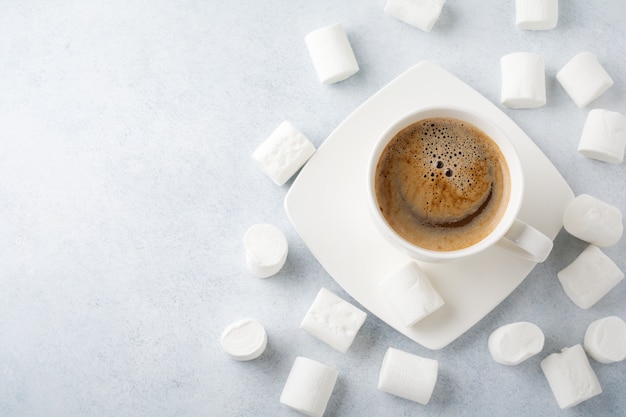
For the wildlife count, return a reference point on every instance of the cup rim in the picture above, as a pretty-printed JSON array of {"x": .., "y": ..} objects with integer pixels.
[{"x": 496, "y": 133}]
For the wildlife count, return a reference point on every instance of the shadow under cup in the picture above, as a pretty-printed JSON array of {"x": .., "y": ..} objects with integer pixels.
[{"x": 507, "y": 209}]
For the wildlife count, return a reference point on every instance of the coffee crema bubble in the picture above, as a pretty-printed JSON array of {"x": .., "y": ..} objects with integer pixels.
[{"x": 442, "y": 184}]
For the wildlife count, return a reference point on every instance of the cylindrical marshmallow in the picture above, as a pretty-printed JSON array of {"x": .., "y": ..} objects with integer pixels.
[
  {"x": 244, "y": 340},
  {"x": 604, "y": 136},
  {"x": 589, "y": 277},
  {"x": 309, "y": 386},
  {"x": 513, "y": 343},
  {"x": 266, "y": 250},
  {"x": 536, "y": 14},
  {"x": 408, "y": 376},
  {"x": 421, "y": 14},
  {"x": 571, "y": 377},
  {"x": 584, "y": 79},
  {"x": 523, "y": 80},
  {"x": 593, "y": 220},
  {"x": 605, "y": 340},
  {"x": 331, "y": 53},
  {"x": 410, "y": 294}
]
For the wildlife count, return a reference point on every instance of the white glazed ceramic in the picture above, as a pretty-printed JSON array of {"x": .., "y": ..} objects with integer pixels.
[
  {"x": 536, "y": 246},
  {"x": 327, "y": 204}
]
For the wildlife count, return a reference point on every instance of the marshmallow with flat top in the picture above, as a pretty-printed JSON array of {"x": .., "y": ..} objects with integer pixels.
[
  {"x": 523, "y": 80},
  {"x": 309, "y": 386},
  {"x": 266, "y": 250},
  {"x": 605, "y": 340},
  {"x": 604, "y": 136},
  {"x": 513, "y": 343},
  {"x": 283, "y": 153},
  {"x": 244, "y": 340},
  {"x": 589, "y": 277},
  {"x": 593, "y": 221},
  {"x": 584, "y": 79},
  {"x": 421, "y": 14},
  {"x": 408, "y": 376},
  {"x": 570, "y": 376},
  {"x": 536, "y": 14},
  {"x": 410, "y": 294},
  {"x": 331, "y": 53},
  {"x": 333, "y": 320}
]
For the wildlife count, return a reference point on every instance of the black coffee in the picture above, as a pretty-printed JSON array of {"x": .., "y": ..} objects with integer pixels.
[{"x": 442, "y": 184}]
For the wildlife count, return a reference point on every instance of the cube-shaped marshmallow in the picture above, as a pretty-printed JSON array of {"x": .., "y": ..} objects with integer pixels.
[
  {"x": 309, "y": 386},
  {"x": 333, "y": 320},
  {"x": 584, "y": 79},
  {"x": 604, "y": 136},
  {"x": 410, "y": 294},
  {"x": 408, "y": 376},
  {"x": 589, "y": 277},
  {"x": 419, "y": 13},
  {"x": 536, "y": 14},
  {"x": 571, "y": 377},
  {"x": 283, "y": 153}
]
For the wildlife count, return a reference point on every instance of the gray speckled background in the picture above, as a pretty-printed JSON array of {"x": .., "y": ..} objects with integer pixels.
[{"x": 126, "y": 185}]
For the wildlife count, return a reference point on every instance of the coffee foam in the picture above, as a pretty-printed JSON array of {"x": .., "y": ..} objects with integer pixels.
[{"x": 440, "y": 182}]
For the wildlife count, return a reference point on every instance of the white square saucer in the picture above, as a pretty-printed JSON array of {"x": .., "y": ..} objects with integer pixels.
[{"x": 327, "y": 206}]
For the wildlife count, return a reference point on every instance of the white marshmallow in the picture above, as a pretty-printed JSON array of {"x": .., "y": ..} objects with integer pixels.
[
  {"x": 331, "y": 53},
  {"x": 571, "y": 377},
  {"x": 244, "y": 340},
  {"x": 410, "y": 294},
  {"x": 605, "y": 340},
  {"x": 584, "y": 79},
  {"x": 604, "y": 136},
  {"x": 536, "y": 14},
  {"x": 589, "y": 277},
  {"x": 419, "y": 13},
  {"x": 513, "y": 343},
  {"x": 283, "y": 153},
  {"x": 309, "y": 386},
  {"x": 266, "y": 250},
  {"x": 523, "y": 80},
  {"x": 333, "y": 320},
  {"x": 408, "y": 376},
  {"x": 593, "y": 220}
]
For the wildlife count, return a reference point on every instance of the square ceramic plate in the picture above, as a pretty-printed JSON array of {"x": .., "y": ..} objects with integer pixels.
[{"x": 327, "y": 206}]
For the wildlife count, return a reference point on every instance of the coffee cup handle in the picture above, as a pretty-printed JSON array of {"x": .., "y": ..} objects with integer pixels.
[{"x": 527, "y": 242}]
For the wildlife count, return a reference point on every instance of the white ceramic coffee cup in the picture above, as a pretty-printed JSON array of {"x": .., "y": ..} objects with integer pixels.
[{"x": 511, "y": 232}]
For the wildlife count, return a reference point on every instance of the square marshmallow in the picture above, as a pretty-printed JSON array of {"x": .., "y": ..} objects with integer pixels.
[
  {"x": 523, "y": 80},
  {"x": 421, "y": 14},
  {"x": 604, "y": 136},
  {"x": 584, "y": 79},
  {"x": 536, "y": 14},
  {"x": 333, "y": 320},
  {"x": 589, "y": 277},
  {"x": 283, "y": 153},
  {"x": 570, "y": 376},
  {"x": 408, "y": 376}
]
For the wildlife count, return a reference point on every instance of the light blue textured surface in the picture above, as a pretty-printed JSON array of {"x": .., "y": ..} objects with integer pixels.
[{"x": 126, "y": 186}]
